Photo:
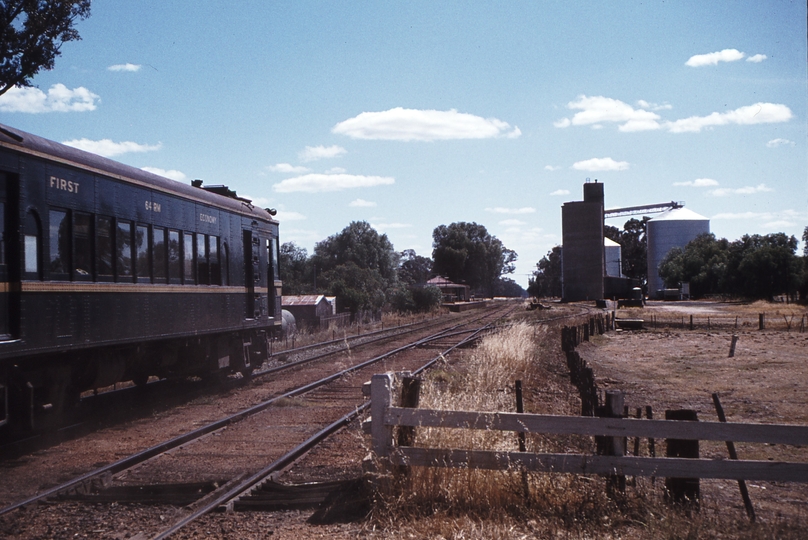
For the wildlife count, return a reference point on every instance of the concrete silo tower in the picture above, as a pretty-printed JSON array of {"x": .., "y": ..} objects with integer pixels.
[
  {"x": 582, "y": 260},
  {"x": 673, "y": 228}
]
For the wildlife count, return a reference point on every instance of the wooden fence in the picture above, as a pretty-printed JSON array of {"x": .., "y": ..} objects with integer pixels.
[{"x": 386, "y": 417}]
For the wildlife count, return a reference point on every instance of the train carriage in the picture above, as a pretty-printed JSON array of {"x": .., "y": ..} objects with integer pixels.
[{"x": 110, "y": 273}]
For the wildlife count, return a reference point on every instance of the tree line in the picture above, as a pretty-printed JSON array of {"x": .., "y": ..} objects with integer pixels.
[{"x": 364, "y": 271}]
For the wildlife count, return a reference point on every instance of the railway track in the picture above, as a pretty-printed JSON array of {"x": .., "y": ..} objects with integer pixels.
[
  {"x": 117, "y": 405},
  {"x": 232, "y": 453}
]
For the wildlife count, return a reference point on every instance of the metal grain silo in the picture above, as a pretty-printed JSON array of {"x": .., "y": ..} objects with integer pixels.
[
  {"x": 674, "y": 228},
  {"x": 613, "y": 253}
]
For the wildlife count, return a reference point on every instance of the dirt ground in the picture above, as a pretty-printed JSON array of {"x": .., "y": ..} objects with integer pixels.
[{"x": 673, "y": 367}]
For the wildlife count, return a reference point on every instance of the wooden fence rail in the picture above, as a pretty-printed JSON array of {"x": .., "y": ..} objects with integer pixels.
[{"x": 385, "y": 418}]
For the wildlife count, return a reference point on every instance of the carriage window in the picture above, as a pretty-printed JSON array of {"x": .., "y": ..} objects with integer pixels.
[
  {"x": 32, "y": 246},
  {"x": 188, "y": 257},
  {"x": 143, "y": 268},
  {"x": 59, "y": 245},
  {"x": 82, "y": 243},
  {"x": 225, "y": 266},
  {"x": 174, "y": 256},
  {"x": 103, "y": 246},
  {"x": 213, "y": 259},
  {"x": 272, "y": 257},
  {"x": 123, "y": 250},
  {"x": 203, "y": 275},
  {"x": 159, "y": 250}
]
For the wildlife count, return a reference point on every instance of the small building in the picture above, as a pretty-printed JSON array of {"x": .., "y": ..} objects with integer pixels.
[
  {"x": 452, "y": 292},
  {"x": 308, "y": 309}
]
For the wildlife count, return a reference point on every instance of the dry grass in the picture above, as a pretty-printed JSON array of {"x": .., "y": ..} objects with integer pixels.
[{"x": 464, "y": 503}]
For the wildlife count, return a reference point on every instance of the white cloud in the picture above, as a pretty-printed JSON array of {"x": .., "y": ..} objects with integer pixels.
[
  {"x": 698, "y": 182},
  {"x": 758, "y": 58},
  {"x": 362, "y": 203},
  {"x": 653, "y": 106},
  {"x": 600, "y": 164},
  {"x": 179, "y": 176},
  {"x": 759, "y": 113},
  {"x": 319, "y": 183},
  {"x": 560, "y": 192},
  {"x": 287, "y": 168},
  {"x": 562, "y": 123},
  {"x": 774, "y": 143},
  {"x": 501, "y": 210},
  {"x": 512, "y": 222},
  {"x": 313, "y": 153},
  {"x": 108, "y": 148},
  {"x": 712, "y": 59},
  {"x": 58, "y": 99},
  {"x": 594, "y": 110},
  {"x": 285, "y": 215},
  {"x": 125, "y": 67},
  {"x": 260, "y": 202},
  {"x": 335, "y": 170},
  {"x": 552, "y": 167},
  {"x": 747, "y": 190},
  {"x": 401, "y": 124},
  {"x": 779, "y": 224}
]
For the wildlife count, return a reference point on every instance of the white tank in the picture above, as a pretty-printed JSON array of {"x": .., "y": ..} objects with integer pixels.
[
  {"x": 674, "y": 228},
  {"x": 614, "y": 256}
]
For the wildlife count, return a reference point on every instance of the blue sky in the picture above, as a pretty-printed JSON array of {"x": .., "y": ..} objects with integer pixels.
[{"x": 414, "y": 114}]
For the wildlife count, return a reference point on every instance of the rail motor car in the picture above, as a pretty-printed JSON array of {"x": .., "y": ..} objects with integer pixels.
[{"x": 109, "y": 273}]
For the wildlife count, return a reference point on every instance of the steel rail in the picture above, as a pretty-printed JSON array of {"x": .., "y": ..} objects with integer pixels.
[{"x": 243, "y": 488}]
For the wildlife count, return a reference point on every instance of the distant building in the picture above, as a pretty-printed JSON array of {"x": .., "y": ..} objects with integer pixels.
[
  {"x": 308, "y": 309},
  {"x": 452, "y": 292}
]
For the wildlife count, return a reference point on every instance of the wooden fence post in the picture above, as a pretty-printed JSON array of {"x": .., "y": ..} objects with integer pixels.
[
  {"x": 747, "y": 501},
  {"x": 612, "y": 446},
  {"x": 381, "y": 395},
  {"x": 732, "y": 345},
  {"x": 682, "y": 490}
]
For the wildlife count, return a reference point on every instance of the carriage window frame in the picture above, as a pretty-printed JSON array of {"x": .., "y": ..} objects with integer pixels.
[
  {"x": 124, "y": 272},
  {"x": 175, "y": 265},
  {"x": 59, "y": 253},
  {"x": 141, "y": 247},
  {"x": 202, "y": 267},
  {"x": 159, "y": 256},
  {"x": 188, "y": 258},
  {"x": 83, "y": 242},
  {"x": 32, "y": 247},
  {"x": 104, "y": 246},
  {"x": 214, "y": 260}
]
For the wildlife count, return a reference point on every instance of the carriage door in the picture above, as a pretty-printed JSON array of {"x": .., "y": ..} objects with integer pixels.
[
  {"x": 6, "y": 233},
  {"x": 252, "y": 273}
]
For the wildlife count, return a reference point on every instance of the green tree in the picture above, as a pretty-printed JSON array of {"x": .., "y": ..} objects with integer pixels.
[
  {"x": 763, "y": 266},
  {"x": 413, "y": 268},
  {"x": 508, "y": 288},
  {"x": 546, "y": 280},
  {"x": 296, "y": 269},
  {"x": 633, "y": 248},
  {"x": 467, "y": 253},
  {"x": 31, "y": 35},
  {"x": 355, "y": 288},
  {"x": 357, "y": 265},
  {"x": 702, "y": 263},
  {"x": 361, "y": 244}
]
